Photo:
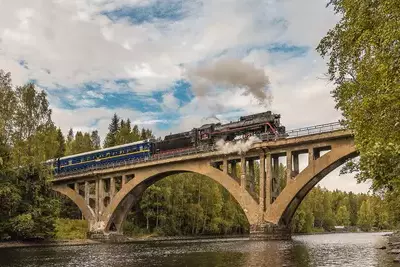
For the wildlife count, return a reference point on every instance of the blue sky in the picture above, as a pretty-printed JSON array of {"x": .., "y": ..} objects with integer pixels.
[{"x": 95, "y": 58}]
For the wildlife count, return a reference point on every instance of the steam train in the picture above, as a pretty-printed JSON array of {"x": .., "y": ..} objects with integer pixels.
[{"x": 265, "y": 125}]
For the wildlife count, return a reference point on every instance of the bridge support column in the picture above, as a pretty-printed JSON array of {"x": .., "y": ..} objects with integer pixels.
[
  {"x": 289, "y": 167},
  {"x": 243, "y": 173},
  {"x": 268, "y": 181},
  {"x": 225, "y": 166},
  {"x": 262, "y": 194},
  {"x": 275, "y": 177},
  {"x": 87, "y": 193},
  {"x": 251, "y": 176},
  {"x": 233, "y": 169},
  {"x": 112, "y": 188},
  {"x": 269, "y": 231},
  {"x": 310, "y": 156},
  {"x": 296, "y": 168}
]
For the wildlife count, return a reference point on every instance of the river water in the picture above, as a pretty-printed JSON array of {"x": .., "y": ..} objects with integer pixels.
[{"x": 349, "y": 249}]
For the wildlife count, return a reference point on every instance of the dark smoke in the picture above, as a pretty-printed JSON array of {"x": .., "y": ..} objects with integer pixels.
[{"x": 230, "y": 73}]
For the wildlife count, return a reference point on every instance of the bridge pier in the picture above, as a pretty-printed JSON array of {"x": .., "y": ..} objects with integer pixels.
[
  {"x": 106, "y": 195},
  {"x": 269, "y": 231}
]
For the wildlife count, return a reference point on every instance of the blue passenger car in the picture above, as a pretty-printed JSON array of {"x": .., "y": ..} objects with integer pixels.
[{"x": 137, "y": 150}]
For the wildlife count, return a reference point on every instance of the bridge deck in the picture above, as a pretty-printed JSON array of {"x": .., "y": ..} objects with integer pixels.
[{"x": 298, "y": 137}]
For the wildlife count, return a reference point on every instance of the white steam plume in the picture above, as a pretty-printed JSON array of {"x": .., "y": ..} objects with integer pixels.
[
  {"x": 239, "y": 147},
  {"x": 231, "y": 73}
]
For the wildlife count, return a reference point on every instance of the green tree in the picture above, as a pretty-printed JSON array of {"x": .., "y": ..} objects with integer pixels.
[
  {"x": 62, "y": 145},
  {"x": 135, "y": 133},
  {"x": 95, "y": 138},
  {"x": 342, "y": 216},
  {"x": 113, "y": 128},
  {"x": 31, "y": 119},
  {"x": 365, "y": 216},
  {"x": 27, "y": 138},
  {"x": 364, "y": 55},
  {"x": 353, "y": 208},
  {"x": 69, "y": 142}
]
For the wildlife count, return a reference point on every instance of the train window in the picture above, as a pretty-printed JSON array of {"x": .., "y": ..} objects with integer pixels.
[
  {"x": 108, "y": 154},
  {"x": 141, "y": 148}
]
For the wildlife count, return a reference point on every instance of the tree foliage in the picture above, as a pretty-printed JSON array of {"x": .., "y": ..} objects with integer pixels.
[
  {"x": 121, "y": 132},
  {"x": 364, "y": 63},
  {"x": 323, "y": 209},
  {"x": 27, "y": 138},
  {"x": 188, "y": 204}
]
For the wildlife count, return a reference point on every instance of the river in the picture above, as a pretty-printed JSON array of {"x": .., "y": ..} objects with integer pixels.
[{"x": 348, "y": 249}]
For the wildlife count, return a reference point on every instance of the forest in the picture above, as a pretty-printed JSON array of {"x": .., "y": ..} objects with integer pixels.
[{"x": 183, "y": 204}]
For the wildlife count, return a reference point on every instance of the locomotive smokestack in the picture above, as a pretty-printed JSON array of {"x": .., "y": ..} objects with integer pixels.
[{"x": 231, "y": 73}]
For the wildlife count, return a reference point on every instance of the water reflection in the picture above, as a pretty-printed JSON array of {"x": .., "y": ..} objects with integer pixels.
[{"x": 303, "y": 251}]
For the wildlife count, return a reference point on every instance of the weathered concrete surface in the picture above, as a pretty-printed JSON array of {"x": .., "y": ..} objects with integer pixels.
[
  {"x": 268, "y": 217},
  {"x": 79, "y": 201},
  {"x": 151, "y": 175},
  {"x": 269, "y": 231},
  {"x": 298, "y": 188},
  {"x": 279, "y": 146}
]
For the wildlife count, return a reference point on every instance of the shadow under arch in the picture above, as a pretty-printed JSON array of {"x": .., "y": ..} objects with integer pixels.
[
  {"x": 78, "y": 200},
  {"x": 282, "y": 210},
  {"x": 131, "y": 192}
]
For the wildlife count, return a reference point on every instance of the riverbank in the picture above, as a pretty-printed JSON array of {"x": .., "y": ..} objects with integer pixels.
[
  {"x": 74, "y": 242},
  {"x": 394, "y": 246},
  {"x": 393, "y": 239},
  {"x": 139, "y": 239}
]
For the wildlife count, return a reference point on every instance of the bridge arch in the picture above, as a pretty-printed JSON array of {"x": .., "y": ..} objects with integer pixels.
[
  {"x": 131, "y": 192},
  {"x": 282, "y": 210},
  {"x": 78, "y": 200}
]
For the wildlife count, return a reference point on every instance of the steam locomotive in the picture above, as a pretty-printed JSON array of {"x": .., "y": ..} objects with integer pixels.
[{"x": 264, "y": 125}]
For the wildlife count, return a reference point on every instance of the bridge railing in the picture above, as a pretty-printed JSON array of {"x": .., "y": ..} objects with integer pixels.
[
  {"x": 140, "y": 160},
  {"x": 316, "y": 129},
  {"x": 322, "y": 128}
]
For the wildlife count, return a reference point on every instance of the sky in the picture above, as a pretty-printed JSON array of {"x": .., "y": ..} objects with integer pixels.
[{"x": 149, "y": 60}]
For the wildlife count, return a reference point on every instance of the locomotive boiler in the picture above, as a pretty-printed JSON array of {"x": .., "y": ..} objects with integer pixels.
[{"x": 265, "y": 125}]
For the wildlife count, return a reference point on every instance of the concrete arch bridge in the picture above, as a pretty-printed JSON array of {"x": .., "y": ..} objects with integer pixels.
[{"x": 106, "y": 195}]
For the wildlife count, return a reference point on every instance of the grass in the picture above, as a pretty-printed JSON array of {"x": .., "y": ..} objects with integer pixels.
[{"x": 71, "y": 229}]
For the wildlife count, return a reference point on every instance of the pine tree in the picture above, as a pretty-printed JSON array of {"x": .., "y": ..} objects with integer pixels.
[
  {"x": 70, "y": 140},
  {"x": 143, "y": 134},
  {"x": 95, "y": 138},
  {"x": 61, "y": 144},
  {"x": 135, "y": 133},
  {"x": 113, "y": 128}
]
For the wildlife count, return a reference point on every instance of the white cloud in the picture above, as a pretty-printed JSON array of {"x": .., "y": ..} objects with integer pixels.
[
  {"x": 88, "y": 119},
  {"x": 70, "y": 43}
]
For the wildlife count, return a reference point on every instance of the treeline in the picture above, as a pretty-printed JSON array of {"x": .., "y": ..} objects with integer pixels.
[
  {"x": 120, "y": 132},
  {"x": 186, "y": 204},
  {"x": 322, "y": 210}
]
